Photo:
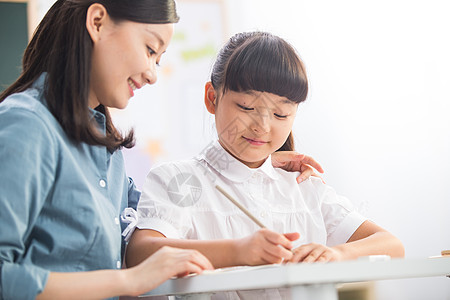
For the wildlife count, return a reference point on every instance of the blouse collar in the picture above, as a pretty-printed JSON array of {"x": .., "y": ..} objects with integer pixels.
[{"x": 231, "y": 168}]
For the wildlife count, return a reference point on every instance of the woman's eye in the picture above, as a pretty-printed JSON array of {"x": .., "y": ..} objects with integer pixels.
[
  {"x": 280, "y": 116},
  {"x": 150, "y": 50},
  {"x": 244, "y": 107}
]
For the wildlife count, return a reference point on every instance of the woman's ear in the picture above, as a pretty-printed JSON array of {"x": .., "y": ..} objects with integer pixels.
[
  {"x": 95, "y": 20},
  {"x": 210, "y": 97}
]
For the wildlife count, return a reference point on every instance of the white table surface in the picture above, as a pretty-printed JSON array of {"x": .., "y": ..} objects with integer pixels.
[{"x": 306, "y": 279}]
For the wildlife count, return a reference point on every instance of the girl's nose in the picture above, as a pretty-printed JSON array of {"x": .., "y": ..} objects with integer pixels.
[{"x": 261, "y": 123}]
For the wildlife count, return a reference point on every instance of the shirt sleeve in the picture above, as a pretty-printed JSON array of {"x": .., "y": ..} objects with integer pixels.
[
  {"x": 133, "y": 194},
  {"x": 158, "y": 209},
  {"x": 129, "y": 215},
  {"x": 340, "y": 216},
  {"x": 27, "y": 159}
]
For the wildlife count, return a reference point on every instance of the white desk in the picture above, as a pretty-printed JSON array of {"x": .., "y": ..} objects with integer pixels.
[{"x": 306, "y": 281}]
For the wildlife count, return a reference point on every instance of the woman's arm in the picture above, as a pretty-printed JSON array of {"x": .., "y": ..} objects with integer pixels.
[
  {"x": 263, "y": 247},
  {"x": 164, "y": 264},
  {"x": 368, "y": 239}
]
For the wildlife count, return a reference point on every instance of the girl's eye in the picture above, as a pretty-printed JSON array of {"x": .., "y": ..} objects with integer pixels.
[
  {"x": 280, "y": 116},
  {"x": 244, "y": 107}
]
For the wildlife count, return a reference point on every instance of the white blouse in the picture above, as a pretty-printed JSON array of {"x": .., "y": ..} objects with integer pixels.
[{"x": 179, "y": 200}]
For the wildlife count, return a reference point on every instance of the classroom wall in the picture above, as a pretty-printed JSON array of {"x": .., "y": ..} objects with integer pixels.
[{"x": 13, "y": 40}]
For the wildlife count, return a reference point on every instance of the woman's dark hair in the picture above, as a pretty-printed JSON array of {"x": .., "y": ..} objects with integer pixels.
[
  {"x": 260, "y": 61},
  {"x": 62, "y": 47}
]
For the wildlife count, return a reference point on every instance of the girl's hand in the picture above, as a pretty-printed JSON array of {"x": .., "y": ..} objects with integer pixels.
[
  {"x": 315, "y": 253},
  {"x": 165, "y": 263},
  {"x": 265, "y": 247},
  {"x": 294, "y": 162}
]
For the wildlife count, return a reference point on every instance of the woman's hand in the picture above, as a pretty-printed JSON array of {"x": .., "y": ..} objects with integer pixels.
[
  {"x": 265, "y": 247},
  {"x": 165, "y": 263},
  {"x": 294, "y": 162},
  {"x": 315, "y": 253}
]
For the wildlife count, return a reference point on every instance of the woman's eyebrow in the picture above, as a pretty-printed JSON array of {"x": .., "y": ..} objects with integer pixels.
[{"x": 158, "y": 37}]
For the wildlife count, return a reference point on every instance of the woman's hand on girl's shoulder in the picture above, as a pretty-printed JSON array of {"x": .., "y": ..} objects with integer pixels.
[{"x": 295, "y": 162}]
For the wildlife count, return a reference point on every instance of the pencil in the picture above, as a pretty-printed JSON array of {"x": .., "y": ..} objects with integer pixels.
[{"x": 243, "y": 209}]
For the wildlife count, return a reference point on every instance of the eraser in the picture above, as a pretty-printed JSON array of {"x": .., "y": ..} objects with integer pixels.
[{"x": 375, "y": 257}]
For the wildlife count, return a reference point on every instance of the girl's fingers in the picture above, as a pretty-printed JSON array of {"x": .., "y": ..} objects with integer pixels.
[
  {"x": 301, "y": 252},
  {"x": 269, "y": 258},
  {"x": 313, "y": 255},
  {"x": 277, "y": 239},
  {"x": 292, "y": 236},
  {"x": 278, "y": 252}
]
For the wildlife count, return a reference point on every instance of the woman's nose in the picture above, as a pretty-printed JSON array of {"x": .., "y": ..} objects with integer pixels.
[{"x": 150, "y": 75}]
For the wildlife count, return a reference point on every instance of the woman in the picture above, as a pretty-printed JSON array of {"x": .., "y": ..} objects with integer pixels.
[{"x": 63, "y": 182}]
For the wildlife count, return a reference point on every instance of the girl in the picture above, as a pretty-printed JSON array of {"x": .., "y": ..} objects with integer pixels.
[
  {"x": 62, "y": 176},
  {"x": 256, "y": 85}
]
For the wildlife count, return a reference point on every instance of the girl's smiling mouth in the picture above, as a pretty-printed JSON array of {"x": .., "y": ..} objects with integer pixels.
[{"x": 255, "y": 142}]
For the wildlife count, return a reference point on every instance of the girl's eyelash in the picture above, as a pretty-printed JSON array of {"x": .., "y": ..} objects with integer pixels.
[
  {"x": 280, "y": 116},
  {"x": 244, "y": 107}
]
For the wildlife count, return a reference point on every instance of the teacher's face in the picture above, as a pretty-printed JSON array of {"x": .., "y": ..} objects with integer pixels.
[{"x": 124, "y": 58}]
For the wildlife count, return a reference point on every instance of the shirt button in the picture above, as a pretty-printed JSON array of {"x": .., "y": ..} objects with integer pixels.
[
  {"x": 118, "y": 264},
  {"x": 102, "y": 183},
  {"x": 263, "y": 214},
  {"x": 116, "y": 220}
]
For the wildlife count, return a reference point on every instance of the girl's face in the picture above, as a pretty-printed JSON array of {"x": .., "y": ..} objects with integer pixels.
[
  {"x": 125, "y": 56},
  {"x": 251, "y": 125}
]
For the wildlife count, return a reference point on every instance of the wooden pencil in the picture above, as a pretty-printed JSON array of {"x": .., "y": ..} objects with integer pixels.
[{"x": 243, "y": 209}]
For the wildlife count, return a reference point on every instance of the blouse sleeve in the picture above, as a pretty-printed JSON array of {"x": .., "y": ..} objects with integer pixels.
[
  {"x": 340, "y": 216},
  {"x": 158, "y": 208},
  {"x": 27, "y": 159}
]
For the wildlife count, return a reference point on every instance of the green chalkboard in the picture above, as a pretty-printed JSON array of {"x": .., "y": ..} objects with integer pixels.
[{"x": 13, "y": 40}]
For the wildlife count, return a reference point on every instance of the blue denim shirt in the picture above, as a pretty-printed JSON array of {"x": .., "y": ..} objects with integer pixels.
[{"x": 60, "y": 202}]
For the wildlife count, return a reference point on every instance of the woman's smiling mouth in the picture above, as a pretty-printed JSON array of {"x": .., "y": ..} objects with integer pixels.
[{"x": 132, "y": 86}]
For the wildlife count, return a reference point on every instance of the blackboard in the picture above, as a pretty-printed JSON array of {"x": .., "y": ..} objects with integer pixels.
[{"x": 13, "y": 40}]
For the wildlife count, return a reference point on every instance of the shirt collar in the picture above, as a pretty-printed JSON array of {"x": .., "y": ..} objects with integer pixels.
[{"x": 225, "y": 164}]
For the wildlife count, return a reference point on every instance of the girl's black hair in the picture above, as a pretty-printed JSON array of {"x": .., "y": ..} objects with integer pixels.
[
  {"x": 62, "y": 47},
  {"x": 261, "y": 61}
]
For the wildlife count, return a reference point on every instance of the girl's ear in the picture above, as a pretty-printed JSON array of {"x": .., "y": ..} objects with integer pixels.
[
  {"x": 210, "y": 97},
  {"x": 95, "y": 20}
]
